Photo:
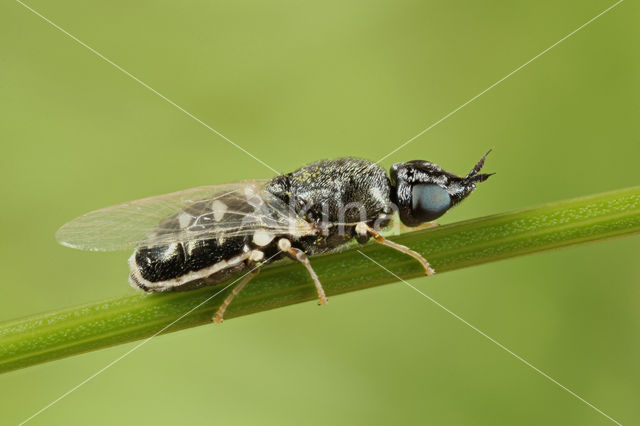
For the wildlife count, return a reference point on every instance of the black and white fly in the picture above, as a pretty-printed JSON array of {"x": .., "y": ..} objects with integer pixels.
[{"x": 204, "y": 235}]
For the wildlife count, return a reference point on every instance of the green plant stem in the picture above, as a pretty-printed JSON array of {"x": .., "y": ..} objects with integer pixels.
[{"x": 63, "y": 333}]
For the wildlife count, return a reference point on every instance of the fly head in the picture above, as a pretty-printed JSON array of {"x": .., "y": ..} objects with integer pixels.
[{"x": 423, "y": 191}]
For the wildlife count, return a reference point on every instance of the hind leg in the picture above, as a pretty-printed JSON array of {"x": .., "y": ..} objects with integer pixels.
[{"x": 218, "y": 318}]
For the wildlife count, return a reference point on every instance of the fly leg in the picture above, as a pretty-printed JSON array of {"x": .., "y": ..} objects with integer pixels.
[
  {"x": 218, "y": 318},
  {"x": 296, "y": 254},
  {"x": 364, "y": 230}
]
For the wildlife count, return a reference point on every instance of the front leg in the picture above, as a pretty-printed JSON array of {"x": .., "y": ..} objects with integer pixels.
[{"x": 365, "y": 231}]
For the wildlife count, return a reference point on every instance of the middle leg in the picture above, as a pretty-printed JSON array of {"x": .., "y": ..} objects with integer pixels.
[
  {"x": 296, "y": 254},
  {"x": 218, "y": 318}
]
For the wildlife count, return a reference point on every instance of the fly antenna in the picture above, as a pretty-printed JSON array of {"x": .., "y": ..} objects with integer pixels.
[
  {"x": 481, "y": 177},
  {"x": 477, "y": 168}
]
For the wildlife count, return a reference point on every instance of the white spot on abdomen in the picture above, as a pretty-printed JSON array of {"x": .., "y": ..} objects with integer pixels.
[
  {"x": 262, "y": 237},
  {"x": 256, "y": 255}
]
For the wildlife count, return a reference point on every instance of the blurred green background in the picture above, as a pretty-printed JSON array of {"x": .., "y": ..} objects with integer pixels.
[{"x": 294, "y": 82}]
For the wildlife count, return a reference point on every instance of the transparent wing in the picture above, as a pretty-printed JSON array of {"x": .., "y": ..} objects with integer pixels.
[{"x": 201, "y": 213}]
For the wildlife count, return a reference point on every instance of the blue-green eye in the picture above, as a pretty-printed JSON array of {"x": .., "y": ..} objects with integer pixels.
[{"x": 429, "y": 202}]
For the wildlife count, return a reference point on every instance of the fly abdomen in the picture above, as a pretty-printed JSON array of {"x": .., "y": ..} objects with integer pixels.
[
  {"x": 161, "y": 263},
  {"x": 169, "y": 267}
]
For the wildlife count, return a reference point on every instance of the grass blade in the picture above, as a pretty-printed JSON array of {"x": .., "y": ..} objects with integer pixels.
[{"x": 63, "y": 333}]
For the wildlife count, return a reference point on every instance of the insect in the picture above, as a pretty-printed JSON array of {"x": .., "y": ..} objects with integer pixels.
[{"x": 205, "y": 235}]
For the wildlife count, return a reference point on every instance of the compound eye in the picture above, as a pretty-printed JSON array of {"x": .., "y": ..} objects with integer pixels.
[{"x": 429, "y": 202}]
